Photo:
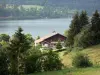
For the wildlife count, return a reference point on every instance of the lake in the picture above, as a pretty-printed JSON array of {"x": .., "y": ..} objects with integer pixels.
[{"x": 39, "y": 27}]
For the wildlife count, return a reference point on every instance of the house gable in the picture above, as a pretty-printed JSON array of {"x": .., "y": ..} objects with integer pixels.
[{"x": 54, "y": 37}]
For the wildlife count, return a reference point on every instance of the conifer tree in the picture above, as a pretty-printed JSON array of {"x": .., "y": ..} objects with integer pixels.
[
  {"x": 18, "y": 45},
  {"x": 58, "y": 45},
  {"x": 84, "y": 38},
  {"x": 73, "y": 31},
  {"x": 90, "y": 34},
  {"x": 95, "y": 21},
  {"x": 83, "y": 19}
]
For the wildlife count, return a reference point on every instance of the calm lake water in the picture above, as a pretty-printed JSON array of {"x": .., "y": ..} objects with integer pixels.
[{"x": 39, "y": 27}]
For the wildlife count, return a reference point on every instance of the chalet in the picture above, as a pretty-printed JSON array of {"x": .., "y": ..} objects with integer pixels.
[{"x": 51, "y": 40}]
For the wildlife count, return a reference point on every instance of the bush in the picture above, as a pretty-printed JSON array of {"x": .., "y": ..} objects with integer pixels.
[
  {"x": 3, "y": 64},
  {"x": 31, "y": 58},
  {"x": 69, "y": 48},
  {"x": 38, "y": 62},
  {"x": 4, "y": 37},
  {"x": 30, "y": 64},
  {"x": 49, "y": 62},
  {"x": 81, "y": 61}
]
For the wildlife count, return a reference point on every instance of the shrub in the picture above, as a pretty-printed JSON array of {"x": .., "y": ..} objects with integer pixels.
[
  {"x": 3, "y": 64},
  {"x": 81, "y": 61},
  {"x": 4, "y": 37},
  {"x": 49, "y": 62},
  {"x": 30, "y": 64},
  {"x": 31, "y": 58},
  {"x": 69, "y": 48},
  {"x": 38, "y": 62},
  {"x": 58, "y": 45}
]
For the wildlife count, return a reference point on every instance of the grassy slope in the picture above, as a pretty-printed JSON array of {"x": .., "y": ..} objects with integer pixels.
[
  {"x": 84, "y": 71},
  {"x": 93, "y": 53}
]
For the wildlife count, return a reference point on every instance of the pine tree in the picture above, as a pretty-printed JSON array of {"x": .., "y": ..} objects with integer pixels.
[
  {"x": 74, "y": 30},
  {"x": 58, "y": 45},
  {"x": 83, "y": 19},
  {"x": 18, "y": 45},
  {"x": 95, "y": 21},
  {"x": 90, "y": 34},
  {"x": 81, "y": 39}
]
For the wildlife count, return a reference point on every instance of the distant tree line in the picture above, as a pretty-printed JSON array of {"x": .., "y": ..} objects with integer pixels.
[
  {"x": 20, "y": 12},
  {"x": 84, "y": 31},
  {"x": 89, "y": 5}
]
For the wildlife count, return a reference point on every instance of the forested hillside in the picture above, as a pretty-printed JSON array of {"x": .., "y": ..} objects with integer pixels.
[
  {"x": 51, "y": 8},
  {"x": 89, "y": 5},
  {"x": 70, "y": 3}
]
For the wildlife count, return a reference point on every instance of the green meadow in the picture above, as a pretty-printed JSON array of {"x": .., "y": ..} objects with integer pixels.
[{"x": 72, "y": 71}]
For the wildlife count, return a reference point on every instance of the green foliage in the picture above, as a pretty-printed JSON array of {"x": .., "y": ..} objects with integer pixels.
[
  {"x": 49, "y": 62},
  {"x": 3, "y": 64},
  {"x": 4, "y": 59},
  {"x": 38, "y": 37},
  {"x": 83, "y": 19},
  {"x": 69, "y": 48},
  {"x": 95, "y": 21},
  {"x": 72, "y": 71},
  {"x": 84, "y": 38},
  {"x": 73, "y": 31},
  {"x": 38, "y": 62},
  {"x": 66, "y": 33},
  {"x": 84, "y": 34},
  {"x": 58, "y": 45},
  {"x": 4, "y": 37},
  {"x": 81, "y": 61},
  {"x": 30, "y": 63},
  {"x": 77, "y": 24},
  {"x": 22, "y": 12},
  {"x": 29, "y": 38},
  {"x": 18, "y": 46}
]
